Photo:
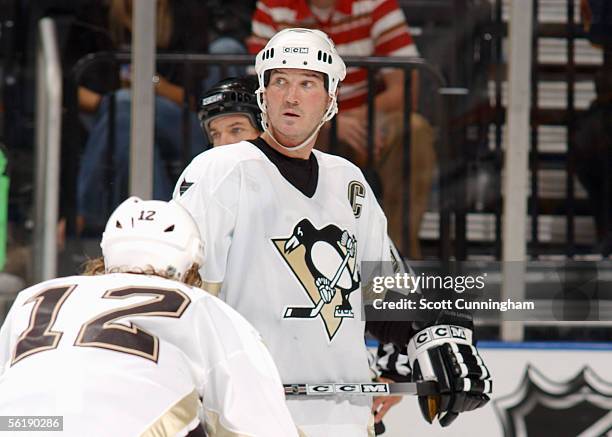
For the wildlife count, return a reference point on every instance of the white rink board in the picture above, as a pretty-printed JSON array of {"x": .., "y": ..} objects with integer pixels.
[{"x": 507, "y": 365}]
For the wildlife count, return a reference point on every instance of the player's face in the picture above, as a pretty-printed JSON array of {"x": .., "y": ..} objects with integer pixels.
[
  {"x": 230, "y": 129},
  {"x": 296, "y": 101}
]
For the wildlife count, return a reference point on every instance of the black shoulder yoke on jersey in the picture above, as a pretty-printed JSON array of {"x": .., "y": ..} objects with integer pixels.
[{"x": 303, "y": 174}]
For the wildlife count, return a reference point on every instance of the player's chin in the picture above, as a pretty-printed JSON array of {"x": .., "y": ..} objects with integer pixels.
[
  {"x": 292, "y": 144},
  {"x": 289, "y": 124},
  {"x": 292, "y": 137}
]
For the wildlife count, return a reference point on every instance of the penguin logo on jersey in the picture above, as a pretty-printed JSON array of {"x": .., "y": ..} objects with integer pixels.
[{"x": 324, "y": 261}]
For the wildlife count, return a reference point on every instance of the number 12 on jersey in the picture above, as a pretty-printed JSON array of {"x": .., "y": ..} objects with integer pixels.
[{"x": 102, "y": 331}]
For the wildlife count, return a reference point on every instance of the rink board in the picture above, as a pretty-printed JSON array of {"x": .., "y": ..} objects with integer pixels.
[{"x": 556, "y": 397}]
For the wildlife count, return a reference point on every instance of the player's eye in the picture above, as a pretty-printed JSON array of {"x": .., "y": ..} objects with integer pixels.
[
  {"x": 280, "y": 81},
  {"x": 237, "y": 130}
]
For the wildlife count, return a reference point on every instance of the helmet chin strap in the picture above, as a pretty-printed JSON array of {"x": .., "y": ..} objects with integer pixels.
[
  {"x": 327, "y": 116},
  {"x": 299, "y": 146}
]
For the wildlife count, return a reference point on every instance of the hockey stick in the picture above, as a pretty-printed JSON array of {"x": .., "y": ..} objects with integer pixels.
[
  {"x": 421, "y": 388},
  {"x": 304, "y": 312},
  {"x": 310, "y": 312}
]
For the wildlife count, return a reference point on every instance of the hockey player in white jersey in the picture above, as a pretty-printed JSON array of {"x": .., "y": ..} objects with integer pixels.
[
  {"x": 229, "y": 111},
  {"x": 135, "y": 349},
  {"x": 286, "y": 228}
]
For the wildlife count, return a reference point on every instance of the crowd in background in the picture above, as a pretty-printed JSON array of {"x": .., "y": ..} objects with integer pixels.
[{"x": 381, "y": 28}]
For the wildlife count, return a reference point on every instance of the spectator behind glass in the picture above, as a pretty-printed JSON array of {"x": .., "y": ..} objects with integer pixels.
[
  {"x": 593, "y": 152},
  {"x": 230, "y": 25},
  {"x": 365, "y": 28},
  {"x": 175, "y": 26}
]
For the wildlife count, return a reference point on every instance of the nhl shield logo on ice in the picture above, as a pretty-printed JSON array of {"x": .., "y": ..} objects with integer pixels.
[
  {"x": 324, "y": 262},
  {"x": 542, "y": 406}
]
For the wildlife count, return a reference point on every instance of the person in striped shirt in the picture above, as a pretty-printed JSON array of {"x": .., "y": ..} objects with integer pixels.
[{"x": 366, "y": 28}]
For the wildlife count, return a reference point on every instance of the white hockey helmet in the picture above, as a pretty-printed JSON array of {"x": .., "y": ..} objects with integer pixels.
[
  {"x": 308, "y": 49},
  {"x": 144, "y": 234}
]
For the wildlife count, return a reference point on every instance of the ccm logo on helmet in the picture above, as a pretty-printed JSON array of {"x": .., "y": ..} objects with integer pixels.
[
  {"x": 294, "y": 50},
  {"x": 443, "y": 331},
  {"x": 212, "y": 99}
]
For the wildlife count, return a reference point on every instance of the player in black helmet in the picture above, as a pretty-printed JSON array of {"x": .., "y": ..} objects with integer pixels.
[{"x": 228, "y": 112}]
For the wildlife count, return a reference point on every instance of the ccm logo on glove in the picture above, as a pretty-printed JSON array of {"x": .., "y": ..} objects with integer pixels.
[
  {"x": 445, "y": 354},
  {"x": 443, "y": 332}
]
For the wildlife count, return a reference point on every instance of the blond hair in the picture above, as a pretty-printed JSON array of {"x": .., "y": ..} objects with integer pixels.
[
  {"x": 96, "y": 267},
  {"x": 120, "y": 22}
]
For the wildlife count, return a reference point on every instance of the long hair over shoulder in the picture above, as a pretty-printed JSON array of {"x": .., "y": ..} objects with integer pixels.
[{"x": 96, "y": 267}]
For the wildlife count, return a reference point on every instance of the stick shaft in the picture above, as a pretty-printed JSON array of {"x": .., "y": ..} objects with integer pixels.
[{"x": 421, "y": 388}]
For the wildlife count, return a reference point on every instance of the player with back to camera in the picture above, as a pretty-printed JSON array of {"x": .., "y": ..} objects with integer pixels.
[
  {"x": 286, "y": 228},
  {"x": 134, "y": 348}
]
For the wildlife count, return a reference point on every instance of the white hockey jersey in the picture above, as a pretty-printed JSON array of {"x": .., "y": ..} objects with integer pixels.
[
  {"x": 132, "y": 355},
  {"x": 276, "y": 250}
]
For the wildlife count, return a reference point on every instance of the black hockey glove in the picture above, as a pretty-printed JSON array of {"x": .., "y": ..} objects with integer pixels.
[{"x": 444, "y": 353}]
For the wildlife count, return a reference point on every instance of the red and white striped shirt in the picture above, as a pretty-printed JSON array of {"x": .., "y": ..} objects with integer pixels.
[{"x": 357, "y": 27}]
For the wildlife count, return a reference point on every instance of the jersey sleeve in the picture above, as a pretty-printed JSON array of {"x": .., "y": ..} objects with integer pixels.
[
  {"x": 242, "y": 391},
  {"x": 211, "y": 196},
  {"x": 376, "y": 244},
  {"x": 382, "y": 254},
  {"x": 392, "y": 362}
]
